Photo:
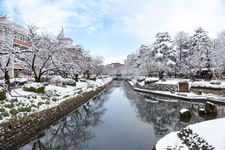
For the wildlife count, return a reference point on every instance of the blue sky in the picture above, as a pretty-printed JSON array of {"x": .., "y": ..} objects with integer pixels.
[{"x": 115, "y": 28}]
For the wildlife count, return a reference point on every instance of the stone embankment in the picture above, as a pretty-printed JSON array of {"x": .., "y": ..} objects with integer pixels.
[{"x": 18, "y": 131}]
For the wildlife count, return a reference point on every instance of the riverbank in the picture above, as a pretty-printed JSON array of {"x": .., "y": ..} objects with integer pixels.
[
  {"x": 205, "y": 135},
  {"x": 187, "y": 96},
  {"x": 19, "y": 130}
]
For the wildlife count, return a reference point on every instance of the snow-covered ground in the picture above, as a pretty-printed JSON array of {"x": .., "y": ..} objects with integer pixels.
[
  {"x": 209, "y": 84},
  {"x": 212, "y": 132},
  {"x": 20, "y": 102}
]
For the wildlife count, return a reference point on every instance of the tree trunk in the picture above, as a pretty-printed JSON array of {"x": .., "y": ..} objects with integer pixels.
[
  {"x": 7, "y": 80},
  {"x": 37, "y": 78}
]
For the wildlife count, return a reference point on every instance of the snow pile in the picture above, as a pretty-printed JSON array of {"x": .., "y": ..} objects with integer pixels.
[
  {"x": 33, "y": 85},
  {"x": 151, "y": 80},
  {"x": 183, "y": 110},
  {"x": 132, "y": 82},
  {"x": 140, "y": 78},
  {"x": 208, "y": 133}
]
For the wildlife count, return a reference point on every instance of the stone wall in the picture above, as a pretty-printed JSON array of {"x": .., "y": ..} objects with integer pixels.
[
  {"x": 161, "y": 87},
  {"x": 20, "y": 130}
]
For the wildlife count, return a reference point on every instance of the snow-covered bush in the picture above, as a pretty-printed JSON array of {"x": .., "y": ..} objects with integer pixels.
[
  {"x": 70, "y": 82},
  {"x": 215, "y": 82},
  {"x": 140, "y": 78},
  {"x": 2, "y": 94},
  {"x": 58, "y": 80},
  {"x": 93, "y": 77},
  {"x": 34, "y": 87},
  {"x": 45, "y": 78},
  {"x": 151, "y": 80}
]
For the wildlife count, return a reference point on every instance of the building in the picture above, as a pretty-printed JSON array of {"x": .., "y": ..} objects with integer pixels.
[
  {"x": 114, "y": 69},
  {"x": 16, "y": 36},
  {"x": 14, "y": 33},
  {"x": 65, "y": 41}
]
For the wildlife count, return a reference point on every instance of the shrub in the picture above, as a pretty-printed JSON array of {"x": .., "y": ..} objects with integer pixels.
[
  {"x": 1, "y": 117},
  {"x": 151, "y": 80},
  {"x": 54, "y": 99},
  {"x": 2, "y": 109},
  {"x": 13, "y": 111},
  {"x": 34, "y": 87},
  {"x": 71, "y": 82},
  {"x": 40, "y": 103},
  {"x": 5, "y": 114},
  {"x": 9, "y": 105},
  {"x": 66, "y": 96},
  {"x": 47, "y": 102},
  {"x": 34, "y": 97},
  {"x": 24, "y": 109},
  {"x": 14, "y": 100},
  {"x": 2, "y": 94},
  {"x": 93, "y": 78},
  {"x": 141, "y": 78}
]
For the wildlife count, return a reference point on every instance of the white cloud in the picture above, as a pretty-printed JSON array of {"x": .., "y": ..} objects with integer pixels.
[{"x": 140, "y": 19}]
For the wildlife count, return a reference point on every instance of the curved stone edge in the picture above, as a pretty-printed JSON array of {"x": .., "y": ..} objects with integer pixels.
[
  {"x": 19, "y": 131},
  {"x": 177, "y": 97}
]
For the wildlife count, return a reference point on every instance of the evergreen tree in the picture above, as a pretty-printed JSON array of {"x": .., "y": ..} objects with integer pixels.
[
  {"x": 201, "y": 48},
  {"x": 181, "y": 45},
  {"x": 163, "y": 52}
]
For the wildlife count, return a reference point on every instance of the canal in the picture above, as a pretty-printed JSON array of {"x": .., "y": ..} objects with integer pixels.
[{"x": 117, "y": 119}]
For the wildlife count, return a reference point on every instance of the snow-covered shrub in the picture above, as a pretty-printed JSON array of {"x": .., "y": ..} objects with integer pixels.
[
  {"x": 140, "y": 78},
  {"x": 70, "y": 82},
  {"x": 215, "y": 82},
  {"x": 151, "y": 80},
  {"x": 45, "y": 78},
  {"x": 2, "y": 94},
  {"x": 13, "y": 111},
  {"x": 59, "y": 81},
  {"x": 34, "y": 87},
  {"x": 93, "y": 77},
  {"x": 17, "y": 82}
]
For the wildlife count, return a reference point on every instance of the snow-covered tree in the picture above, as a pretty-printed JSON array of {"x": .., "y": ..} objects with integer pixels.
[
  {"x": 39, "y": 58},
  {"x": 145, "y": 60},
  {"x": 97, "y": 65},
  {"x": 7, "y": 50},
  {"x": 69, "y": 60},
  {"x": 218, "y": 56},
  {"x": 163, "y": 52},
  {"x": 201, "y": 48},
  {"x": 181, "y": 45}
]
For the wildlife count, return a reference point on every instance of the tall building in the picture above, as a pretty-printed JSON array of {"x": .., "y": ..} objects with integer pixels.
[
  {"x": 114, "y": 68},
  {"x": 14, "y": 33}
]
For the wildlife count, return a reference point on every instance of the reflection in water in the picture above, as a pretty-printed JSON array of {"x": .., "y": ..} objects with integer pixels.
[
  {"x": 164, "y": 115},
  {"x": 119, "y": 118},
  {"x": 74, "y": 131}
]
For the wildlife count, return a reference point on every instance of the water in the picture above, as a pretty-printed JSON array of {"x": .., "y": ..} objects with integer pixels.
[{"x": 118, "y": 119}]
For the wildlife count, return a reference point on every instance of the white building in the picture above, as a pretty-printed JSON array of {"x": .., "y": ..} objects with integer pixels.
[{"x": 17, "y": 36}]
